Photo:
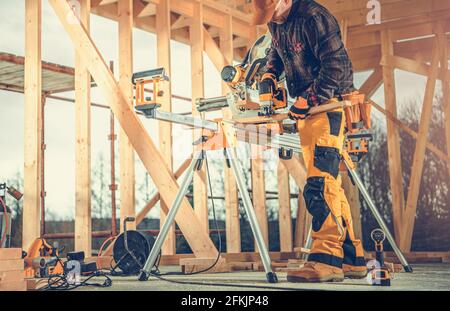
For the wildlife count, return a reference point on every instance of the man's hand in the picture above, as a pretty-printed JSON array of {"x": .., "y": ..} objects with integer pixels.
[{"x": 299, "y": 110}]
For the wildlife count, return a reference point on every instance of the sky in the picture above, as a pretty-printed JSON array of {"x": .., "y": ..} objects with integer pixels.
[{"x": 60, "y": 128}]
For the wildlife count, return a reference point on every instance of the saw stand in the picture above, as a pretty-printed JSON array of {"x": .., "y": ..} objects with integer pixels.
[{"x": 196, "y": 164}]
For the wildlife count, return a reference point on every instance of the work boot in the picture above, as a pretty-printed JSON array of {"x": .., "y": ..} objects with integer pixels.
[
  {"x": 354, "y": 272},
  {"x": 315, "y": 272}
]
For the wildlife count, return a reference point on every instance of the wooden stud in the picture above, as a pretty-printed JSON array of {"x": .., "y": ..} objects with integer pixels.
[
  {"x": 352, "y": 194},
  {"x": 259, "y": 191},
  {"x": 419, "y": 153},
  {"x": 153, "y": 161},
  {"x": 83, "y": 221},
  {"x": 165, "y": 128},
  {"x": 393, "y": 138},
  {"x": 126, "y": 156},
  {"x": 303, "y": 223},
  {"x": 232, "y": 224},
  {"x": 284, "y": 210},
  {"x": 32, "y": 121},
  {"x": 197, "y": 70}
]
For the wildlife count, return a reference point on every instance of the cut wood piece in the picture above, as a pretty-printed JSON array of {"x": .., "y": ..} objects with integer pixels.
[
  {"x": 16, "y": 286},
  {"x": 36, "y": 284},
  {"x": 10, "y": 253},
  {"x": 12, "y": 265},
  {"x": 259, "y": 192},
  {"x": 240, "y": 266},
  {"x": 195, "y": 265},
  {"x": 12, "y": 276},
  {"x": 284, "y": 210},
  {"x": 189, "y": 224}
]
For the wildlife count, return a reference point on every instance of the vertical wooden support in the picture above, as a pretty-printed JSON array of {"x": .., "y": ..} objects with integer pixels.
[
  {"x": 32, "y": 118},
  {"x": 165, "y": 128},
  {"x": 443, "y": 46},
  {"x": 127, "y": 173},
  {"x": 83, "y": 223},
  {"x": 284, "y": 215},
  {"x": 303, "y": 223},
  {"x": 197, "y": 71},
  {"x": 393, "y": 138},
  {"x": 232, "y": 225},
  {"x": 419, "y": 153},
  {"x": 259, "y": 191}
]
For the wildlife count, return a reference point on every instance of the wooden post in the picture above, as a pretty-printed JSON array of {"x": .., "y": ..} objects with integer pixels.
[
  {"x": 126, "y": 156},
  {"x": 153, "y": 161},
  {"x": 284, "y": 215},
  {"x": 83, "y": 221},
  {"x": 165, "y": 128},
  {"x": 32, "y": 121},
  {"x": 419, "y": 153},
  {"x": 259, "y": 191},
  {"x": 232, "y": 225},
  {"x": 393, "y": 138},
  {"x": 303, "y": 223},
  {"x": 352, "y": 194},
  {"x": 197, "y": 71},
  {"x": 443, "y": 46}
]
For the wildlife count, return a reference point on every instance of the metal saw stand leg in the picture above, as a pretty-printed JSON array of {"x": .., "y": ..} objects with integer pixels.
[
  {"x": 248, "y": 207},
  {"x": 195, "y": 165},
  {"x": 151, "y": 260},
  {"x": 378, "y": 216}
]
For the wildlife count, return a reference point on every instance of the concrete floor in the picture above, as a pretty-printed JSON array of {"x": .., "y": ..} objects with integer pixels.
[{"x": 427, "y": 277}]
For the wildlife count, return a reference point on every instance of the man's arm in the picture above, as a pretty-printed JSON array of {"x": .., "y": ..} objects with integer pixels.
[
  {"x": 274, "y": 63},
  {"x": 336, "y": 72}
]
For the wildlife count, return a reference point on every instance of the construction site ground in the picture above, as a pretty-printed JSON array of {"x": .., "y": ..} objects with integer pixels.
[{"x": 426, "y": 277}]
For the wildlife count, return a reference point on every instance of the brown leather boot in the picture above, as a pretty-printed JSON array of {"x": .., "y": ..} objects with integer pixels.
[
  {"x": 315, "y": 272},
  {"x": 354, "y": 272}
]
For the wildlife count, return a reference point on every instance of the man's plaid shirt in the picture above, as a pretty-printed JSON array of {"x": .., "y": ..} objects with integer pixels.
[{"x": 309, "y": 48}]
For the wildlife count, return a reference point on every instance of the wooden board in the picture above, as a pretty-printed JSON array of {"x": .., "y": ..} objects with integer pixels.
[
  {"x": 15, "y": 286},
  {"x": 11, "y": 265},
  {"x": 12, "y": 276},
  {"x": 10, "y": 253},
  {"x": 199, "y": 264}
]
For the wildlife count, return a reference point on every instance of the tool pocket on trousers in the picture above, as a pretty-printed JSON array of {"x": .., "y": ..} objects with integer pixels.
[
  {"x": 335, "y": 120},
  {"x": 327, "y": 160},
  {"x": 315, "y": 201}
]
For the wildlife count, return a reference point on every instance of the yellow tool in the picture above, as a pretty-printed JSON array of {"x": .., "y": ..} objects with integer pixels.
[
  {"x": 145, "y": 79},
  {"x": 42, "y": 260}
]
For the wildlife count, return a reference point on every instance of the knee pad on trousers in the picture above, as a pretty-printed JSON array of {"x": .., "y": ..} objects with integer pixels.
[
  {"x": 327, "y": 160},
  {"x": 315, "y": 201}
]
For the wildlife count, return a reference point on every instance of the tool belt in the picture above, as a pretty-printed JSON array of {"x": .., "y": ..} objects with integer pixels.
[{"x": 358, "y": 113}]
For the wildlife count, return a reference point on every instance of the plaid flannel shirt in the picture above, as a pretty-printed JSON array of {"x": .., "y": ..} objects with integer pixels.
[{"x": 309, "y": 49}]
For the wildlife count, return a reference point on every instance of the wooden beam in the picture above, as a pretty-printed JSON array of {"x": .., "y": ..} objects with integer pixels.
[
  {"x": 32, "y": 121},
  {"x": 126, "y": 156},
  {"x": 259, "y": 191},
  {"x": 297, "y": 170},
  {"x": 232, "y": 224},
  {"x": 352, "y": 194},
  {"x": 153, "y": 161},
  {"x": 165, "y": 128},
  {"x": 419, "y": 153},
  {"x": 393, "y": 139},
  {"x": 197, "y": 73},
  {"x": 303, "y": 222},
  {"x": 284, "y": 210},
  {"x": 83, "y": 221},
  {"x": 443, "y": 45},
  {"x": 372, "y": 83}
]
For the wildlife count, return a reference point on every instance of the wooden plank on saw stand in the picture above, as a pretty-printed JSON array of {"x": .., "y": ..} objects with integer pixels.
[
  {"x": 153, "y": 161},
  {"x": 232, "y": 224},
  {"x": 83, "y": 223},
  {"x": 32, "y": 121},
  {"x": 165, "y": 128},
  {"x": 197, "y": 42},
  {"x": 126, "y": 152}
]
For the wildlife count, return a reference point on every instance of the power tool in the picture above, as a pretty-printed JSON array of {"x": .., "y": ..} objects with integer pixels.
[
  {"x": 379, "y": 275},
  {"x": 42, "y": 259}
]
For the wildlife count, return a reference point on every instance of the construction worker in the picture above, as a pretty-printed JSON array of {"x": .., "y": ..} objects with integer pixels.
[{"x": 307, "y": 46}]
